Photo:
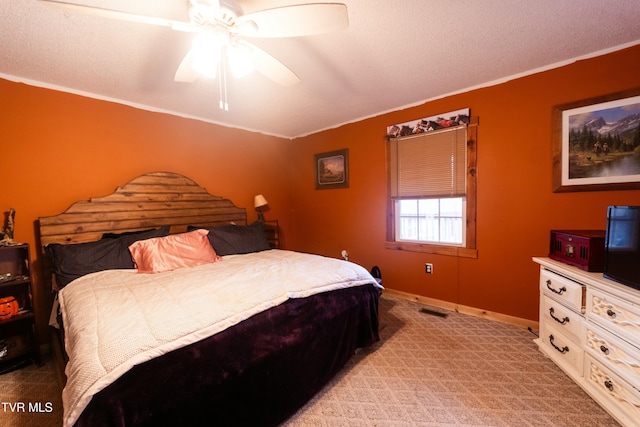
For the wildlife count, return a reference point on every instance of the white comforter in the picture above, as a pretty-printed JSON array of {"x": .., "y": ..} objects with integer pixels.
[{"x": 119, "y": 318}]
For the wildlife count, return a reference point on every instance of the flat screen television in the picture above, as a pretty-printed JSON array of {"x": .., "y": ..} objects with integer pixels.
[{"x": 622, "y": 245}]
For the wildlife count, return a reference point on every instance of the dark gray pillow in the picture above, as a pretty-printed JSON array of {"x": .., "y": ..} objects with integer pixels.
[
  {"x": 76, "y": 260},
  {"x": 125, "y": 233},
  {"x": 237, "y": 239}
]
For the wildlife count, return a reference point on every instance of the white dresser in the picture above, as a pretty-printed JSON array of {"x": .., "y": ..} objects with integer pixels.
[{"x": 590, "y": 327}]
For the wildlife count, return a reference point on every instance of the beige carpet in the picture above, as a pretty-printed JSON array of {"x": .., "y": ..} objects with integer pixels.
[
  {"x": 453, "y": 371},
  {"x": 426, "y": 371},
  {"x": 31, "y": 397}
]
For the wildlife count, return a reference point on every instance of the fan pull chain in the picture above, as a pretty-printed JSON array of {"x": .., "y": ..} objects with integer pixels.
[
  {"x": 222, "y": 83},
  {"x": 224, "y": 76}
]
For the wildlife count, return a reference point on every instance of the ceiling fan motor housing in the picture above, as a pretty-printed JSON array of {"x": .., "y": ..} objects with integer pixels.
[
  {"x": 229, "y": 11},
  {"x": 203, "y": 13}
]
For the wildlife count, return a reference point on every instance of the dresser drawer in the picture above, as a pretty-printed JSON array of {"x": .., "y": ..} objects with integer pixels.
[
  {"x": 564, "y": 319},
  {"x": 561, "y": 289},
  {"x": 611, "y": 351},
  {"x": 619, "y": 396},
  {"x": 620, "y": 317},
  {"x": 567, "y": 353}
]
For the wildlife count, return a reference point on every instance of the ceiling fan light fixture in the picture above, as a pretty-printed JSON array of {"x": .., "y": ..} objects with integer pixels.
[
  {"x": 240, "y": 60},
  {"x": 221, "y": 26},
  {"x": 206, "y": 49}
]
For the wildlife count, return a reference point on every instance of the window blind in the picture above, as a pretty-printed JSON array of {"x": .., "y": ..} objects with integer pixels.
[{"x": 430, "y": 164}]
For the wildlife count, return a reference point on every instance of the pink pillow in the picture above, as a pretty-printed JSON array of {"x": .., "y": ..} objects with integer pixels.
[{"x": 173, "y": 251}]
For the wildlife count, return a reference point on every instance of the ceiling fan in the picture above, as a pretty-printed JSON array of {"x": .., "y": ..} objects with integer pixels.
[{"x": 221, "y": 30}]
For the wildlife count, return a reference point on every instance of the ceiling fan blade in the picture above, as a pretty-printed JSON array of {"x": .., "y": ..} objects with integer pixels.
[
  {"x": 185, "y": 72},
  {"x": 296, "y": 20},
  {"x": 123, "y": 16},
  {"x": 270, "y": 67}
]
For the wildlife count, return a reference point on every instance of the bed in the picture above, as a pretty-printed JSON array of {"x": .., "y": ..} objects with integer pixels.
[{"x": 171, "y": 310}]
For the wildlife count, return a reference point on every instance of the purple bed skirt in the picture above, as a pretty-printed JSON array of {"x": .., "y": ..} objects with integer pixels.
[{"x": 257, "y": 373}]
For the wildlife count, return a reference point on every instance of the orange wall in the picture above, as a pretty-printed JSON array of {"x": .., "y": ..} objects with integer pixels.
[
  {"x": 58, "y": 148},
  {"x": 516, "y": 206}
]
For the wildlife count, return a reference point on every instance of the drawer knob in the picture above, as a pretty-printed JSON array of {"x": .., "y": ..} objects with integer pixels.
[
  {"x": 556, "y": 291},
  {"x": 611, "y": 313},
  {"x": 557, "y": 319},
  {"x": 609, "y": 385},
  {"x": 604, "y": 349},
  {"x": 562, "y": 350}
]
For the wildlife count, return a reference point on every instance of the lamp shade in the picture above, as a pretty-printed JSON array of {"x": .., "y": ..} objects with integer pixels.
[{"x": 259, "y": 201}]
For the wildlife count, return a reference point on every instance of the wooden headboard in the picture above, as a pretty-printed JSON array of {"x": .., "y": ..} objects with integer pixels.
[{"x": 149, "y": 201}]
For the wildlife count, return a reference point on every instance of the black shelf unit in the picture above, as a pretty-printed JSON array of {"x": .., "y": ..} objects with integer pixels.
[{"x": 18, "y": 345}]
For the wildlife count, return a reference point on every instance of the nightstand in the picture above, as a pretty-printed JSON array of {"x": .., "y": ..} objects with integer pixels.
[
  {"x": 272, "y": 231},
  {"x": 18, "y": 344}
]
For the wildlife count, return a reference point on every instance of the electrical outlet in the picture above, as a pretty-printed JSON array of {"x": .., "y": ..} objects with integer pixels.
[{"x": 428, "y": 268}]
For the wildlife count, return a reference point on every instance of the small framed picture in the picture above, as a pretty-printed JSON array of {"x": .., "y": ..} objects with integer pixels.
[{"x": 332, "y": 169}]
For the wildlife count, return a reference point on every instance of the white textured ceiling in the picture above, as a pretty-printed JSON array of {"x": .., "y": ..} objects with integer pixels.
[{"x": 395, "y": 53}]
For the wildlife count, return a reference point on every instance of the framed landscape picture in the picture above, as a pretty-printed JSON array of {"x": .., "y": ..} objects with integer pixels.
[
  {"x": 332, "y": 169},
  {"x": 596, "y": 143}
]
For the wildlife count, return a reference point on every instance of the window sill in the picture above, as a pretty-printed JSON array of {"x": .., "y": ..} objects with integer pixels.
[{"x": 433, "y": 249}]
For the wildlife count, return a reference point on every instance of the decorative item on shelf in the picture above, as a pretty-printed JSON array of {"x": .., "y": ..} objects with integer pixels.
[
  {"x": 8, "y": 308},
  {"x": 4, "y": 348},
  {"x": 259, "y": 202},
  {"x": 6, "y": 234}
]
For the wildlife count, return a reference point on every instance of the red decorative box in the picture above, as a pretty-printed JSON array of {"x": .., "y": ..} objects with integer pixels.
[{"x": 581, "y": 248}]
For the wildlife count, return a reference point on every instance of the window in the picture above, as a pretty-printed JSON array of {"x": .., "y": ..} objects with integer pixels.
[
  {"x": 437, "y": 220},
  {"x": 432, "y": 191}
]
